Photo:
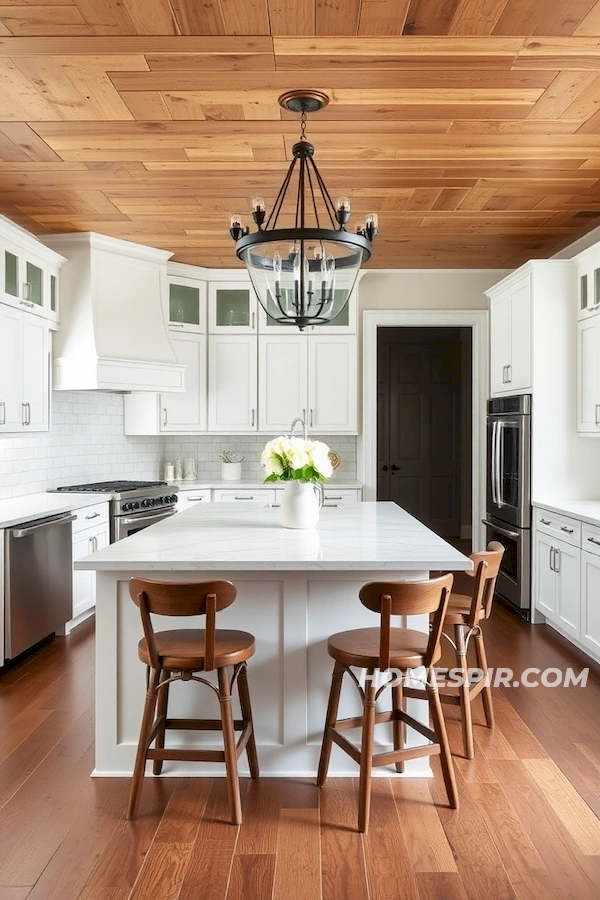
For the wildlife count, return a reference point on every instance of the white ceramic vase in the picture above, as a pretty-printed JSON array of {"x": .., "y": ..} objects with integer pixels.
[{"x": 300, "y": 505}]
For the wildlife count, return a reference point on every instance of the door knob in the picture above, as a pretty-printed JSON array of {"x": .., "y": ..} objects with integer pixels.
[
  {"x": 385, "y": 468},
  {"x": 395, "y": 468}
]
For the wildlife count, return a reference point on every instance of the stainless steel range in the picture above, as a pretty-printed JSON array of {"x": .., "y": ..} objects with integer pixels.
[{"x": 134, "y": 505}]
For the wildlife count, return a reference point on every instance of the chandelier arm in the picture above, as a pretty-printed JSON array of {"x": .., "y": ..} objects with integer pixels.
[
  {"x": 329, "y": 204},
  {"x": 312, "y": 194},
  {"x": 281, "y": 195},
  {"x": 300, "y": 196}
]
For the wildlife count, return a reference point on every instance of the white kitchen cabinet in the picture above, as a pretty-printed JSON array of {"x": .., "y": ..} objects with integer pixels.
[
  {"x": 588, "y": 376},
  {"x": 192, "y": 497},
  {"x": 510, "y": 336},
  {"x": 24, "y": 372},
  {"x": 186, "y": 299},
  {"x": 232, "y": 307},
  {"x": 29, "y": 273},
  {"x": 232, "y": 383},
  {"x": 545, "y": 577},
  {"x": 332, "y": 497},
  {"x": 231, "y": 495},
  {"x": 590, "y": 601},
  {"x": 314, "y": 376},
  {"x": 90, "y": 533},
  {"x": 588, "y": 282},
  {"x": 558, "y": 583},
  {"x": 176, "y": 413}
]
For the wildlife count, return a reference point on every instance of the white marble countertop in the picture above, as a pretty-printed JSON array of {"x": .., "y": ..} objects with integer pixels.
[
  {"x": 363, "y": 536},
  {"x": 38, "y": 506},
  {"x": 584, "y": 510},
  {"x": 249, "y": 484}
]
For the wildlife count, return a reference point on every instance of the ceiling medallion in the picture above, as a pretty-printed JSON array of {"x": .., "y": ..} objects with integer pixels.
[{"x": 302, "y": 262}]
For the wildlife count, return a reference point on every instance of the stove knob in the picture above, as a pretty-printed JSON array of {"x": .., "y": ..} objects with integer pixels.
[
  {"x": 145, "y": 502},
  {"x": 126, "y": 506},
  {"x": 135, "y": 504},
  {"x": 173, "y": 498}
]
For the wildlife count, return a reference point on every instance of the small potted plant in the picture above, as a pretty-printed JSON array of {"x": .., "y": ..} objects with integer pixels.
[
  {"x": 304, "y": 466},
  {"x": 231, "y": 465}
]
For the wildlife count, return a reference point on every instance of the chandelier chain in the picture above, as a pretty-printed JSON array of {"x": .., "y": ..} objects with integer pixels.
[{"x": 303, "y": 125}]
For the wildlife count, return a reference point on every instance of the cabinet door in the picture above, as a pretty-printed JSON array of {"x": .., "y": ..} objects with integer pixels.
[
  {"x": 332, "y": 383},
  {"x": 588, "y": 376},
  {"x": 518, "y": 374},
  {"x": 83, "y": 582},
  {"x": 282, "y": 381},
  {"x": 186, "y": 412},
  {"x": 232, "y": 383},
  {"x": 590, "y": 602},
  {"x": 11, "y": 410},
  {"x": 567, "y": 564},
  {"x": 232, "y": 308},
  {"x": 185, "y": 499},
  {"x": 500, "y": 330},
  {"x": 36, "y": 362},
  {"x": 545, "y": 599},
  {"x": 187, "y": 304},
  {"x": 10, "y": 262}
]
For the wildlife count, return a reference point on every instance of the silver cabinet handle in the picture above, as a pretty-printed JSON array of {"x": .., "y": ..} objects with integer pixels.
[
  {"x": 503, "y": 374},
  {"x": 90, "y": 545},
  {"x": 196, "y": 499},
  {"x": 594, "y": 541},
  {"x": 24, "y": 414},
  {"x": 557, "y": 560},
  {"x": 545, "y": 521},
  {"x": 568, "y": 530},
  {"x": 253, "y": 321},
  {"x": 552, "y": 558},
  {"x": 95, "y": 543},
  {"x": 27, "y": 291},
  {"x": 327, "y": 497},
  {"x": 252, "y": 422},
  {"x": 508, "y": 374},
  {"x": 93, "y": 515},
  {"x": 311, "y": 418},
  {"x": 3, "y": 408},
  {"x": 165, "y": 415},
  {"x": 597, "y": 414},
  {"x": 244, "y": 498},
  {"x": 28, "y": 405},
  {"x": 176, "y": 325}
]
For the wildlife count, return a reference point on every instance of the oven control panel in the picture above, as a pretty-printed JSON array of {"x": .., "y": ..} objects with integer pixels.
[{"x": 148, "y": 503}]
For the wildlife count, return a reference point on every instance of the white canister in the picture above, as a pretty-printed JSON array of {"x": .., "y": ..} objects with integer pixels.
[
  {"x": 231, "y": 471},
  {"x": 169, "y": 472}
]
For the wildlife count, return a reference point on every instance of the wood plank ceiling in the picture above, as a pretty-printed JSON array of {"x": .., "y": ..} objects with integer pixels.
[{"x": 471, "y": 126}]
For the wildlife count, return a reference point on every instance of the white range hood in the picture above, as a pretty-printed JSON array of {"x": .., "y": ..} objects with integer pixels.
[{"x": 113, "y": 333}]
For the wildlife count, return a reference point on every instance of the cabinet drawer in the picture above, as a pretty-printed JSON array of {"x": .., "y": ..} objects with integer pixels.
[
  {"x": 340, "y": 498},
  {"x": 562, "y": 527},
  {"x": 90, "y": 517},
  {"x": 259, "y": 496},
  {"x": 590, "y": 539}
]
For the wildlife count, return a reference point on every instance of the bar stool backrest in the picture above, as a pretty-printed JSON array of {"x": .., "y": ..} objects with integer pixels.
[
  {"x": 408, "y": 598},
  {"x": 205, "y": 598},
  {"x": 485, "y": 580}
]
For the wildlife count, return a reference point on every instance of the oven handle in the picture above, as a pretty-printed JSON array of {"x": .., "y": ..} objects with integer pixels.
[
  {"x": 493, "y": 461},
  {"x": 134, "y": 520},
  {"x": 505, "y": 531},
  {"x": 499, "y": 501}
]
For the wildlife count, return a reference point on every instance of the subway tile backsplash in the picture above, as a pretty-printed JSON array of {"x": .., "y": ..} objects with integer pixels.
[{"x": 86, "y": 443}]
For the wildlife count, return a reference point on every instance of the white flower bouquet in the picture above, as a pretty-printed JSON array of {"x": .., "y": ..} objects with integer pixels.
[{"x": 287, "y": 459}]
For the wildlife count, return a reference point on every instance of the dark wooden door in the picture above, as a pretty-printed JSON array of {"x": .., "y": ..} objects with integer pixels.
[{"x": 418, "y": 424}]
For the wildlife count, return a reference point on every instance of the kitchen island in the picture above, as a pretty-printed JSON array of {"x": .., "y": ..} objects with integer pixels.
[{"x": 295, "y": 588}]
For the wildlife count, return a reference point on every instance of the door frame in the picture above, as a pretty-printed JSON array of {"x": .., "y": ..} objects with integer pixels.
[{"x": 477, "y": 321}]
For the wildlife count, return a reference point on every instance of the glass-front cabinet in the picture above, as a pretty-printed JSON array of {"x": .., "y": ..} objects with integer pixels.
[
  {"x": 187, "y": 304},
  {"x": 344, "y": 323},
  {"x": 232, "y": 308},
  {"x": 29, "y": 273},
  {"x": 588, "y": 282}
]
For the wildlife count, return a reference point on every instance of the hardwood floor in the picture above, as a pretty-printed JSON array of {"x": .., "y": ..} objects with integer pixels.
[{"x": 527, "y": 827}]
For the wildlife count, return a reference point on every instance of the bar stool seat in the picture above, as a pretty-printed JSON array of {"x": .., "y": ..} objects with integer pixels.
[
  {"x": 185, "y": 648},
  {"x": 398, "y": 651},
  {"x": 187, "y": 654},
  {"x": 361, "y": 648}
]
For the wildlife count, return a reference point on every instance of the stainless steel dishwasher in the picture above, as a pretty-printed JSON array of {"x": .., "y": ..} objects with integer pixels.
[{"x": 38, "y": 581}]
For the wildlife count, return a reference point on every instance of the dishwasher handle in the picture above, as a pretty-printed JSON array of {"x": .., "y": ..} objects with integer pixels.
[{"x": 46, "y": 523}]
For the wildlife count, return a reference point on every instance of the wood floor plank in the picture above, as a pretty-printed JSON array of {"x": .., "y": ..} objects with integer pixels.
[
  {"x": 425, "y": 838},
  {"x": 261, "y": 802},
  {"x": 252, "y": 876},
  {"x": 298, "y": 875},
  {"x": 211, "y": 858},
  {"x": 571, "y": 809},
  {"x": 389, "y": 868},
  {"x": 438, "y": 886},
  {"x": 342, "y": 853}
]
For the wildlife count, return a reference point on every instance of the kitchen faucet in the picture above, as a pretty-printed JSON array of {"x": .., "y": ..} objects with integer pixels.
[{"x": 298, "y": 421}]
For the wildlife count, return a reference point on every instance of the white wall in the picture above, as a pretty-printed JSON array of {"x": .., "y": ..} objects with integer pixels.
[
  {"x": 86, "y": 443},
  {"x": 427, "y": 288}
]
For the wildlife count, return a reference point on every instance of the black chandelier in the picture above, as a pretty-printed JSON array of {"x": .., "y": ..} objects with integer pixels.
[{"x": 303, "y": 273}]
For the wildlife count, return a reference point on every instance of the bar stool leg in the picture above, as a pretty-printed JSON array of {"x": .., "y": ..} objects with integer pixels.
[
  {"x": 398, "y": 726},
  {"x": 330, "y": 720},
  {"x": 139, "y": 768},
  {"x": 464, "y": 691},
  {"x": 161, "y": 713},
  {"x": 486, "y": 694},
  {"x": 247, "y": 717},
  {"x": 366, "y": 753},
  {"x": 233, "y": 784},
  {"x": 439, "y": 726}
]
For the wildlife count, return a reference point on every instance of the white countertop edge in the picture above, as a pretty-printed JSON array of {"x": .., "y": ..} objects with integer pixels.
[
  {"x": 28, "y": 508},
  {"x": 295, "y": 566},
  {"x": 587, "y": 511}
]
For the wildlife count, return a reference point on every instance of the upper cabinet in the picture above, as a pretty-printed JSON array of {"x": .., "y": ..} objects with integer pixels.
[
  {"x": 29, "y": 273},
  {"x": 588, "y": 282},
  {"x": 588, "y": 376},
  {"x": 186, "y": 299},
  {"x": 24, "y": 372},
  {"x": 510, "y": 332},
  {"x": 232, "y": 307}
]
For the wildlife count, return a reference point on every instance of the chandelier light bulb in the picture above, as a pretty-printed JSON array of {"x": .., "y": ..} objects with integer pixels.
[
  {"x": 343, "y": 204},
  {"x": 235, "y": 221},
  {"x": 258, "y": 204}
]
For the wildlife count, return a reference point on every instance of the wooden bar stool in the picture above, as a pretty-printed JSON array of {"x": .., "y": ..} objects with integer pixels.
[
  {"x": 384, "y": 648},
  {"x": 176, "y": 656},
  {"x": 470, "y": 603}
]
